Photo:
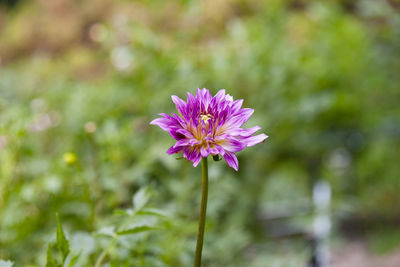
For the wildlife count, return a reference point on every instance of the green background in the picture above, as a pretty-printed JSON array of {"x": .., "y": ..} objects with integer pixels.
[{"x": 87, "y": 77}]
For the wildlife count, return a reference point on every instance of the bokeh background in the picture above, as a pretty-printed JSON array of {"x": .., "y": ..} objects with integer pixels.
[{"x": 81, "y": 80}]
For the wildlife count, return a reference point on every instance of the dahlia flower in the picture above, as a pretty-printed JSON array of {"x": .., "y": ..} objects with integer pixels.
[{"x": 208, "y": 125}]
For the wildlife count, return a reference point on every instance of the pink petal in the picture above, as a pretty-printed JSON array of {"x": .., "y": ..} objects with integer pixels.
[
  {"x": 231, "y": 160},
  {"x": 203, "y": 151},
  {"x": 244, "y": 132},
  {"x": 173, "y": 150},
  {"x": 218, "y": 97},
  {"x": 236, "y": 105},
  {"x": 161, "y": 122},
  {"x": 231, "y": 145},
  {"x": 192, "y": 155},
  {"x": 180, "y": 104},
  {"x": 186, "y": 142},
  {"x": 196, "y": 160},
  {"x": 185, "y": 133},
  {"x": 254, "y": 140},
  {"x": 240, "y": 118}
]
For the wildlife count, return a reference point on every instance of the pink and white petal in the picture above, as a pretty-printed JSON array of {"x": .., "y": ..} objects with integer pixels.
[
  {"x": 245, "y": 113},
  {"x": 204, "y": 151},
  {"x": 236, "y": 105},
  {"x": 207, "y": 98},
  {"x": 220, "y": 149},
  {"x": 185, "y": 132},
  {"x": 199, "y": 93},
  {"x": 184, "y": 142},
  {"x": 231, "y": 145},
  {"x": 244, "y": 132},
  {"x": 174, "y": 134},
  {"x": 191, "y": 102},
  {"x": 180, "y": 104},
  {"x": 203, "y": 97},
  {"x": 167, "y": 122},
  {"x": 218, "y": 97},
  {"x": 232, "y": 161},
  {"x": 213, "y": 151},
  {"x": 180, "y": 120},
  {"x": 228, "y": 98},
  {"x": 196, "y": 160},
  {"x": 174, "y": 149},
  {"x": 254, "y": 140},
  {"x": 163, "y": 123},
  {"x": 187, "y": 152},
  {"x": 240, "y": 118},
  {"x": 193, "y": 155}
]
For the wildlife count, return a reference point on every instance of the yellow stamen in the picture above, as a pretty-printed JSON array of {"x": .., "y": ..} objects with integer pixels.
[{"x": 205, "y": 118}]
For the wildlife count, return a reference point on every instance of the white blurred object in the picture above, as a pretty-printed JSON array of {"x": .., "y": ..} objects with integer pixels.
[
  {"x": 122, "y": 58},
  {"x": 322, "y": 195},
  {"x": 322, "y": 221},
  {"x": 4, "y": 263}
]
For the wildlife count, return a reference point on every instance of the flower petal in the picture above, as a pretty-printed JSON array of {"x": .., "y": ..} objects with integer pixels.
[
  {"x": 204, "y": 152},
  {"x": 218, "y": 98},
  {"x": 174, "y": 149},
  {"x": 196, "y": 160},
  {"x": 180, "y": 104},
  {"x": 236, "y": 105},
  {"x": 186, "y": 142},
  {"x": 185, "y": 132},
  {"x": 238, "y": 119},
  {"x": 209, "y": 125},
  {"x": 163, "y": 123},
  {"x": 192, "y": 154},
  {"x": 254, "y": 140},
  {"x": 191, "y": 101},
  {"x": 244, "y": 132},
  {"x": 231, "y": 160},
  {"x": 231, "y": 145},
  {"x": 216, "y": 149}
]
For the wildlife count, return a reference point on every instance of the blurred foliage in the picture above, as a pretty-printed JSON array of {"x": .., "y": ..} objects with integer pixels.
[{"x": 80, "y": 81}]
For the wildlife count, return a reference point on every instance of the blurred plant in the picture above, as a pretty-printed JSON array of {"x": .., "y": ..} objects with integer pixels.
[
  {"x": 63, "y": 249},
  {"x": 128, "y": 227}
]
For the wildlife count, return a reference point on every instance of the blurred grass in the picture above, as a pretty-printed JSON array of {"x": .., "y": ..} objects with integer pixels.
[{"x": 86, "y": 77}]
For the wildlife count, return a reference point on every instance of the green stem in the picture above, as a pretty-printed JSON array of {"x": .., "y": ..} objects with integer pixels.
[
  {"x": 112, "y": 243},
  {"x": 203, "y": 211},
  {"x": 105, "y": 252}
]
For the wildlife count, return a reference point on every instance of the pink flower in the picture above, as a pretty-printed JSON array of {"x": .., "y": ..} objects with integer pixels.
[{"x": 209, "y": 125}]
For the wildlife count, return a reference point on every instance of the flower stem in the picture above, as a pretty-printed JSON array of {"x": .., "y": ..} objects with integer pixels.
[
  {"x": 203, "y": 211},
  {"x": 105, "y": 252}
]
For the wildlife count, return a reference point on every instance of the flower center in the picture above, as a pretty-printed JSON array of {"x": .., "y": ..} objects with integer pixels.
[{"x": 206, "y": 117}]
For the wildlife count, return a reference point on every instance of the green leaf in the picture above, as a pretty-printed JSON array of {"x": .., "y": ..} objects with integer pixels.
[
  {"x": 141, "y": 198},
  {"x": 107, "y": 231},
  {"x": 50, "y": 261},
  {"x": 73, "y": 261},
  {"x": 127, "y": 212},
  {"x": 62, "y": 242},
  {"x": 137, "y": 229},
  {"x": 120, "y": 212},
  {"x": 154, "y": 212}
]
